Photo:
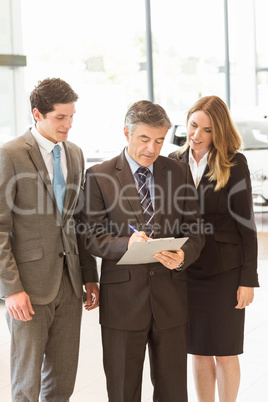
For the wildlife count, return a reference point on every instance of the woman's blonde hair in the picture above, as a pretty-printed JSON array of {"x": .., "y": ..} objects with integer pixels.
[{"x": 226, "y": 140}]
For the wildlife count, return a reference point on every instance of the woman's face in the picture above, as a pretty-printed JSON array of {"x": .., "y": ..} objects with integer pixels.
[{"x": 199, "y": 133}]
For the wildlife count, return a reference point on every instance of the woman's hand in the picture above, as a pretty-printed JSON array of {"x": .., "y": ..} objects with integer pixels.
[{"x": 245, "y": 296}]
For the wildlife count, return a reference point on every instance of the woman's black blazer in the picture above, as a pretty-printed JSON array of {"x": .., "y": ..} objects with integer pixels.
[{"x": 228, "y": 224}]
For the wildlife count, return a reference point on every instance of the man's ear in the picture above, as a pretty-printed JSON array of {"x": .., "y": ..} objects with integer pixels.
[
  {"x": 37, "y": 115},
  {"x": 126, "y": 132}
]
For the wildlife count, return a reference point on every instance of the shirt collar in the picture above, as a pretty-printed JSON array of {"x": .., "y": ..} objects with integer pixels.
[
  {"x": 134, "y": 166},
  {"x": 43, "y": 142},
  {"x": 202, "y": 161}
]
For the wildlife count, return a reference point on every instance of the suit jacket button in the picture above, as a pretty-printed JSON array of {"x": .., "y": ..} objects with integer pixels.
[
  {"x": 61, "y": 254},
  {"x": 151, "y": 273}
]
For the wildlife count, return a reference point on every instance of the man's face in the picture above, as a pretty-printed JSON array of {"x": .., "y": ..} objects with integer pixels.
[
  {"x": 145, "y": 143},
  {"x": 55, "y": 125}
]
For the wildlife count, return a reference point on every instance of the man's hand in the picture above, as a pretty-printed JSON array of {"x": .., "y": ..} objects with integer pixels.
[
  {"x": 19, "y": 306},
  {"x": 170, "y": 259},
  {"x": 245, "y": 296},
  {"x": 93, "y": 295},
  {"x": 137, "y": 236}
]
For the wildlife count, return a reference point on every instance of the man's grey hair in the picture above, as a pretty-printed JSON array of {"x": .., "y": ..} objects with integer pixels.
[{"x": 146, "y": 112}]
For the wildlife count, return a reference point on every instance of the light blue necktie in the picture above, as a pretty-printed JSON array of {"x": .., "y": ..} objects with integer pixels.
[{"x": 59, "y": 186}]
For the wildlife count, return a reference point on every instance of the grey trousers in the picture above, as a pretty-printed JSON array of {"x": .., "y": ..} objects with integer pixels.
[{"x": 44, "y": 351}]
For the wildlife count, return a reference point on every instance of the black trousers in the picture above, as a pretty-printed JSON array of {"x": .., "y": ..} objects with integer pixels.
[{"x": 123, "y": 358}]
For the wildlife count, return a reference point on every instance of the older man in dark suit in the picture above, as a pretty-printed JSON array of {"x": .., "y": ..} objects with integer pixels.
[
  {"x": 142, "y": 304},
  {"x": 40, "y": 273}
]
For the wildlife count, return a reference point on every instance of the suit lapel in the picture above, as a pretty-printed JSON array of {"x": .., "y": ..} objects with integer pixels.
[
  {"x": 184, "y": 157},
  {"x": 205, "y": 186},
  {"x": 127, "y": 183},
  {"x": 161, "y": 188},
  {"x": 39, "y": 163},
  {"x": 70, "y": 160},
  {"x": 204, "y": 179}
]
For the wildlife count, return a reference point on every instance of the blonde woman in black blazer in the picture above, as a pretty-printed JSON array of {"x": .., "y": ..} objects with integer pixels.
[{"x": 221, "y": 282}]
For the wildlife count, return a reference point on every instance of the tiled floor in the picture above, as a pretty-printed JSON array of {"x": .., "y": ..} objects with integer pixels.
[{"x": 90, "y": 384}]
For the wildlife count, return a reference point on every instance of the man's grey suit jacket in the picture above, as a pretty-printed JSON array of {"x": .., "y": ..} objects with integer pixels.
[{"x": 33, "y": 234}]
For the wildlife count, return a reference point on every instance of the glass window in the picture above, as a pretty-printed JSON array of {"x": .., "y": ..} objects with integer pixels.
[
  {"x": 7, "y": 124},
  {"x": 5, "y": 27},
  {"x": 98, "y": 47},
  {"x": 254, "y": 134},
  {"x": 7, "y": 102},
  {"x": 261, "y": 11},
  {"x": 12, "y": 109},
  {"x": 188, "y": 52}
]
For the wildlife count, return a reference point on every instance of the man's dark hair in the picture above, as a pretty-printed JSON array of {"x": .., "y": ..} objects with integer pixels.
[
  {"x": 146, "y": 112},
  {"x": 49, "y": 92}
]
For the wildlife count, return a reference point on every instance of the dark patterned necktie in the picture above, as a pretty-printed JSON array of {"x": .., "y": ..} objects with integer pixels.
[{"x": 145, "y": 199}]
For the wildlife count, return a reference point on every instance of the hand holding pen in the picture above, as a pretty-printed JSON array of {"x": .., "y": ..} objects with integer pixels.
[{"x": 137, "y": 236}]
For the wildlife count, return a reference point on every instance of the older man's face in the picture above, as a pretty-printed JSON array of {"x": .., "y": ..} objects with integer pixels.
[{"x": 145, "y": 143}]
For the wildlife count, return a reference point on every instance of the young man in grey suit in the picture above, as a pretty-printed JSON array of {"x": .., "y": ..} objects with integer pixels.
[
  {"x": 40, "y": 273},
  {"x": 142, "y": 304}
]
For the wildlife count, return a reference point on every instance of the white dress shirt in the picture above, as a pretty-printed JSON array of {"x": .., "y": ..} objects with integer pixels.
[
  {"x": 197, "y": 169},
  {"x": 46, "y": 146}
]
